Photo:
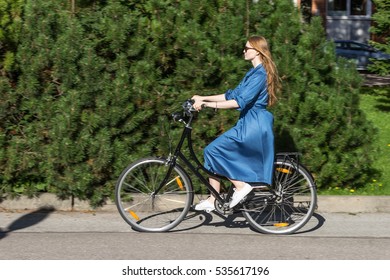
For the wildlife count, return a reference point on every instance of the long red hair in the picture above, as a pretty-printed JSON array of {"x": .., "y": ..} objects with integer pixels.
[{"x": 273, "y": 80}]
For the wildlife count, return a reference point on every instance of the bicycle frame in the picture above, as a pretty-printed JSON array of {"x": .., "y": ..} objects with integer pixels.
[
  {"x": 291, "y": 157},
  {"x": 186, "y": 135},
  {"x": 195, "y": 169},
  {"x": 283, "y": 207}
]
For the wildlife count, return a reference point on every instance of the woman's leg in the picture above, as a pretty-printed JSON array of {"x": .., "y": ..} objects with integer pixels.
[
  {"x": 208, "y": 204},
  {"x": 238, "y": 184},
  {"x": 216, "y": 184}
]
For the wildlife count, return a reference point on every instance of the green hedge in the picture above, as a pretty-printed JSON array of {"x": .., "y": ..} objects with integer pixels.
[{"x": 85, "y": 90}]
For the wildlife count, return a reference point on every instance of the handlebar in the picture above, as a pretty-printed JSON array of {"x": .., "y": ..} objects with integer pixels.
[
  {"x": 188, "y": 110},
  {"x": 187, "y": 106}
]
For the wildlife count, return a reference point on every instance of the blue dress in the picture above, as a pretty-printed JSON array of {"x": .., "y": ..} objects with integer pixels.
[{"x": 246, "y": 151}]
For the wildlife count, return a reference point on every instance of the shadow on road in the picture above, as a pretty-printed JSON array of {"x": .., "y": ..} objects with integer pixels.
[
  {"x": 230, "y": 221},
  {"x": 203, "y": 218},
  {"x": 321, "y": 221},
  {"x": 236, "y": 221},
  {"x": 27, "y": 220}
]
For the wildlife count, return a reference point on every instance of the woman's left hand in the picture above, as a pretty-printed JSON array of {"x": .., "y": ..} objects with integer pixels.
[{"x": 198, "y": 102}]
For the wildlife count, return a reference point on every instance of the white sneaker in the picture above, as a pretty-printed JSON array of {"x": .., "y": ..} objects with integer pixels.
[
  {"x": 205, "y": 205},
  {"x": 240, "y": 195}
]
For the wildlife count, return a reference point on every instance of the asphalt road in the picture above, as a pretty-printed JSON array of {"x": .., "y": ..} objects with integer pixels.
[{"x": 105, "y": 236}]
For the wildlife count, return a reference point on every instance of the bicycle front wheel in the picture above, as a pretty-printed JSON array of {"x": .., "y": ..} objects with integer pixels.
[
  {"x": 288, "y": 205},
  {"x": 143, "y": 206}
]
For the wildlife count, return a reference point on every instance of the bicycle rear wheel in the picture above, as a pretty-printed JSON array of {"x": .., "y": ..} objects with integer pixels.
[
  {"x": 141, "y": 207},
  {"x": 288, "y": 205}
]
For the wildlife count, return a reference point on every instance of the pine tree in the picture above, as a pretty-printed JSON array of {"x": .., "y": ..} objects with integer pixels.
[
  {"x": 20, "y": 169},
  {"x": 96, "y": 82},
  {"x": 381, "y": 28},
  {"x": 319, "y": 113}
]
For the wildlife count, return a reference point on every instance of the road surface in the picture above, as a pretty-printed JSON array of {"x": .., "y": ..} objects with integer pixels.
[{"x": 54, "y": 235}]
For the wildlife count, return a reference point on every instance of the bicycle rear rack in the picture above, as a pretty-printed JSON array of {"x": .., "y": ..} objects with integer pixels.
[{"x": 291, "y": 157}]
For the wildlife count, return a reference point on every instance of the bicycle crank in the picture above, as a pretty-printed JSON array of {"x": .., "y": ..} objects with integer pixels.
[{"x": 224, "y": 208}]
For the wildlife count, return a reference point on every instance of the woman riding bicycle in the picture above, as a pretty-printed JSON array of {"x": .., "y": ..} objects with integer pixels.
[{"x": 245, "y": 153}]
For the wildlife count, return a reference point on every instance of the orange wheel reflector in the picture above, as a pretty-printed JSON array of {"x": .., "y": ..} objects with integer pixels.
[
  {"x": 283, "y": 170},
  {"x": 178, "y": 181},
  {"x": 281, "y": 225},
  {"x": 135, "y": 216}
]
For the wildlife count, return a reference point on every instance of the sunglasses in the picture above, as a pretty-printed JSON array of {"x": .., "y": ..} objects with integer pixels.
[{"x": 248, "y": 48}]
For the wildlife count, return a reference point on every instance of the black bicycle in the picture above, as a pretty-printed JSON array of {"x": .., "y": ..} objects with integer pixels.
[{"x": 155, "y": 194}]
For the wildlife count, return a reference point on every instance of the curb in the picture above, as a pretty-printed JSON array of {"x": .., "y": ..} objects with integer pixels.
[
  {"x": 326, "y": 204},
  {"x": 52, "y": 202},
  {"x": 353, "y": 204}
]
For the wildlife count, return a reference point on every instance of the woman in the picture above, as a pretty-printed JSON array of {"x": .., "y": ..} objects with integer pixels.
[{"x": 245, "y": 153}]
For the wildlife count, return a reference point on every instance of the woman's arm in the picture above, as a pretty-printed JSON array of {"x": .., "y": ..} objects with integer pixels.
[
  {"x": 214, "y": 101},
  {"x": 214, "y": 98},
  {"x": 226, "y": 104}
]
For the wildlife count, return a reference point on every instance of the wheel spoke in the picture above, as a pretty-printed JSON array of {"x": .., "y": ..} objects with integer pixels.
[
  {"x": 288, "y": 206},
  {"x": 141, "y": 207}
]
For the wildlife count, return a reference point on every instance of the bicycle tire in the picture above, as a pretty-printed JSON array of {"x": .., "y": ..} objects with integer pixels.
[
  {"x": 148, "y": 212},
  {"x": 288, "y": 205}
]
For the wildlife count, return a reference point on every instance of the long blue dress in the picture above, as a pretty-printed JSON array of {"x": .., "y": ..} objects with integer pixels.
[{"x": 246, "y": 151}]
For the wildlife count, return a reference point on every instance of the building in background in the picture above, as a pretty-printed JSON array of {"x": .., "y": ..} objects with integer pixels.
[{"x": 343, "y": 19}]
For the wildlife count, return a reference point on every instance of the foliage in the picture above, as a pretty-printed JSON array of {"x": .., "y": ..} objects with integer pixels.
[
  {"x": 92, "y": 85},
  {"x": 381, "y": 28},
  {"x": 375, "y": 103}
]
